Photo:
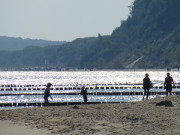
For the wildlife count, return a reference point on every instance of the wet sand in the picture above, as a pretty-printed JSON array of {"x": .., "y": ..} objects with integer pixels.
[
  {"x": 142, "y": 118},
  {"x": 7, "y": 127}
]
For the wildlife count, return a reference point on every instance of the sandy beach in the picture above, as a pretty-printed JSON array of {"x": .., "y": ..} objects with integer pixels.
[{"x": 152, "y": 117}]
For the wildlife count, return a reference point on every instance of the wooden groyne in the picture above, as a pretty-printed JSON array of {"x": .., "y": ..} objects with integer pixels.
[
  {"x": 77, "y": 87},
  {"x": 125, "y": 93},
  {"x": 51, "y": 104},
  {"x": 93, "y": 89}
]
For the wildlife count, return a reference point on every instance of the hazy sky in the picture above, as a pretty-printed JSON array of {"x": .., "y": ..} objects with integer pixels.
[{"x": 61, "y": 19}]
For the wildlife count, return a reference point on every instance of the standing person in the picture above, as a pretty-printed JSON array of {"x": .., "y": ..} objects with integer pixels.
[
  {"x": 47, "y": 94},
  {"x": 84, "y": 93},
  {"x": 168, "y": 84},
  {"x": 146, "y": 86}
]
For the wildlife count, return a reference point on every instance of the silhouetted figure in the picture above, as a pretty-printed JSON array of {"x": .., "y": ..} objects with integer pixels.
[
  {"x": 146, "y": 86},
  {"x": 84, "y": 93},
  {"x": 168, "y": 84},
  {"x": 47, "y": 94}
]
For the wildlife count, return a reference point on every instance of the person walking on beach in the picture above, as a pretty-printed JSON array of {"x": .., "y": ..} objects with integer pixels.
[
  {"x": 168, "y": 84},
  {"x": 47, "y": 94},
  {"x": 146, "y": 86},
  {"x": 84, "y": 93}
]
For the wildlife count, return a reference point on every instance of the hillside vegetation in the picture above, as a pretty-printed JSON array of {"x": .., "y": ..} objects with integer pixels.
[
  {"x": 149, "y": 38},
  {"x": 12, "y": 43}
]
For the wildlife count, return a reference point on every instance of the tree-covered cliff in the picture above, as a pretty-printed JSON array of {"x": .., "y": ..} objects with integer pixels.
[
  {"x": 152, "y": 31},
  {"x": 149, "y": 38}
]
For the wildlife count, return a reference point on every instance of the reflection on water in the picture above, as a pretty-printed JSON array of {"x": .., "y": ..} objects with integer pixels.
[
  {"x": 83, "y": 77},
  {"x": 68, "y": 98},
  {"x": 90, "y": 78}
]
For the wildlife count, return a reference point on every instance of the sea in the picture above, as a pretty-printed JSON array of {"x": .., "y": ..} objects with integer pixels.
[{"x": 28, "y": 86}]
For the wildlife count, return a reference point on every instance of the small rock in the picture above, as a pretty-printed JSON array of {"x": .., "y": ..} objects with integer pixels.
[
  {"x": 75, "y": 107},
  {"x": 165, "y": 103}
]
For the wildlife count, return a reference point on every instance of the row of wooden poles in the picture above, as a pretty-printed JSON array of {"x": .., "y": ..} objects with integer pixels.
[
  {"x": 51, "y": 104},
  {"x": 78, "y": 88},
  {"x": 77, "y": 103},
  {"x": 123, "y": 93},
  {"x": 73, "y": 84}
]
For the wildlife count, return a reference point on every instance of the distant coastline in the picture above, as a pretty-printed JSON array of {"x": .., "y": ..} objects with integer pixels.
[{"x": 76, "y": 69}]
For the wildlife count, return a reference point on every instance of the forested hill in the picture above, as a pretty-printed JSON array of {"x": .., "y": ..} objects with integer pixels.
[
  {"x": 152, "y": 31},
  {"x": 11, "y": 43},
  {"x": 149, "y": 38}
]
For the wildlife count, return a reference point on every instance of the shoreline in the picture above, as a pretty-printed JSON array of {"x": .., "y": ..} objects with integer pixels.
[
  {"x": 143, "y": 117},
  {"x": 81, "y": 70}
]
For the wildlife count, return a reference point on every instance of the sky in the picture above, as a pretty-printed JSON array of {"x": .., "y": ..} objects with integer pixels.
[{"x": 61, "y": 20}]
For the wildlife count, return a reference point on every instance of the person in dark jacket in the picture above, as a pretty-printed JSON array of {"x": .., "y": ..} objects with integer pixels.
[
  {"x": 168, "y": 84},
  {"x": 47, "y": 94},
  {"x": 84, "y": 93},
  {"x": 146, "y": 86}
]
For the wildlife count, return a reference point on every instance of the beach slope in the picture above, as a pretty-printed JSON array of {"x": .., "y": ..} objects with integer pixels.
[{"x": 153, "y": 117}]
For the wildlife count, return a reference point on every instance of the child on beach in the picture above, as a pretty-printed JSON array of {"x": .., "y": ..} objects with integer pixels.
[
  {"x": 47, "y": 94},
  {"x": 84, "y": 93}
]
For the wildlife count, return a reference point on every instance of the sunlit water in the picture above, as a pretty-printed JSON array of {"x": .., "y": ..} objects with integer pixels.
[{"x": 78, "y": 78}]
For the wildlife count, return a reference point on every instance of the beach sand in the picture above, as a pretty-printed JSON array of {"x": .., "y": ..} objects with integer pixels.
[{"x": 134, "y": 118}]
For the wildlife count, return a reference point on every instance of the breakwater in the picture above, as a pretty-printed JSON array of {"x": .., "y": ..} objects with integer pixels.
[{"x": 32, "y": 95}]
